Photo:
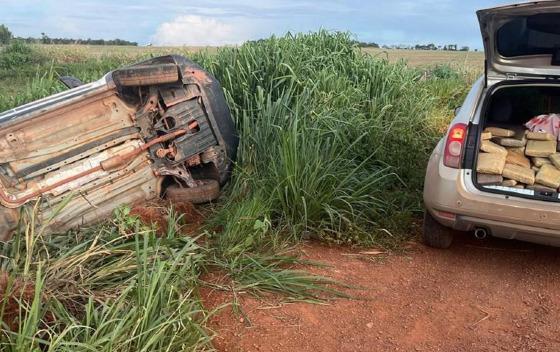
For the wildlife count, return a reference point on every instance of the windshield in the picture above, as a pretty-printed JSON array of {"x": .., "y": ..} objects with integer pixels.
[{"x": 530, "y": 35}]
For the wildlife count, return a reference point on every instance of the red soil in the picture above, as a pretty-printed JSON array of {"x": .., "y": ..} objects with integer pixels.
[{"x": 478, "y": 296}]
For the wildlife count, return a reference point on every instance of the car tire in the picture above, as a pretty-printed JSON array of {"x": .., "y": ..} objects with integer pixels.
[
  {"x": 435, "y": 234},
  {"x": 207, "y": 191}
]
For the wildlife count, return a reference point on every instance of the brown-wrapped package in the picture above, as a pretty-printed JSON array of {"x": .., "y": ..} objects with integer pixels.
[
  {"x": 491, "y": 147},
  {"x": 488, "y": 179},
  {"x": 485, "y": 136},
  {"x": 519, "y": 173},
  {"x": 538, "y": 162},
  {"x": 541, "y": 188},
  {"x": 490, "y": 163},
  {"x": 520, "y": 150},
  {"x": 517, "y": 159},
  {"x": 540, "y": 136},
  {"x": 540, "y": 148},
  {"x": 500, "y": 132},
  {"x": 509, "y": 183},
  {"x": 548, "y": 176},
  {"x": 510, "y": 142},
  {"x": 555, "y": 159}
]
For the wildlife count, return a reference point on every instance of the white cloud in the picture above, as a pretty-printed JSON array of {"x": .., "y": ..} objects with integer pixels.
[{"x": 197, "y": 30}]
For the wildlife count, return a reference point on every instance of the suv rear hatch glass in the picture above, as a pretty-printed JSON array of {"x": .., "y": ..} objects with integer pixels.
[{"x": 521, "y": 41}]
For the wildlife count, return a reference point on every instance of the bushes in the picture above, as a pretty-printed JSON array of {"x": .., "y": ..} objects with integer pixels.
[
  {"x": 18, "y": 55},
  {"x": 333, "y": 141}
]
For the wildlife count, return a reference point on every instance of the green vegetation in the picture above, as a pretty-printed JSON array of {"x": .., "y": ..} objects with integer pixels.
[
  {"x": 333, "y": 141},
  {"x": 5, "y": 35},
  {"x": 333, "y": 145}
]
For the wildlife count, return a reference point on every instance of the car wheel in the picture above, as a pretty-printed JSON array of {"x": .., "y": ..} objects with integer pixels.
[
  {"x": 207, "y": 191},
  {"x": 435, "y": 234}
]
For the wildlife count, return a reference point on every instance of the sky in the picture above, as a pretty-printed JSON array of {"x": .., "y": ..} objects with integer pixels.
[{"x": 215, "y": 22}]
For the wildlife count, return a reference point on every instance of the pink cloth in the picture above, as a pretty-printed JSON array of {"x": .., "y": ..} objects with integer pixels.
[{"x": 545, "y": 123}]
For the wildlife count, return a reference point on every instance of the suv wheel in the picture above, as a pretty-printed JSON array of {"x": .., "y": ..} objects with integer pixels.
[{"x": 435, "y": 234}]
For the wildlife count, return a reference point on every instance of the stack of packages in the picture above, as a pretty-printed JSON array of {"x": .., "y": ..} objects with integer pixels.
[{"x": 521, "y": 159}]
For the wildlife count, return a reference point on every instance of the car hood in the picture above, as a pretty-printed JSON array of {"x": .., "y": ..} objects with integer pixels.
[{"x": 521, "y": 41}]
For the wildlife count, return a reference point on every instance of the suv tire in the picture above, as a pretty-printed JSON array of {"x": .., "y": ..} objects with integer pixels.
[{"x": 435, "y": 234}]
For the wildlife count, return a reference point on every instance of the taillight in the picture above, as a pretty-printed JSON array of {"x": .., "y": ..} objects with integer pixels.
[{"x": 454, "y": 145}]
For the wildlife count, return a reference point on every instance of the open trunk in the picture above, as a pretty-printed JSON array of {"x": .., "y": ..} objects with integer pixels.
[{"x": 512, "y": 157}]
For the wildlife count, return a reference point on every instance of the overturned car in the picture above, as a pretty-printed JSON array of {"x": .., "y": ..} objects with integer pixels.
[{"x": 159, "y": 128}]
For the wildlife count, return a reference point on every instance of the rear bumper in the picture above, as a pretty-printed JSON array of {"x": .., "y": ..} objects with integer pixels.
[
  {"x": 452, "y": 199},
  {"x": 508, "y": 230}
]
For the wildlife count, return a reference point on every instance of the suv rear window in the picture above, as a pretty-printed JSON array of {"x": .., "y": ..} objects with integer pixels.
[{"x": 530, "y": 35}]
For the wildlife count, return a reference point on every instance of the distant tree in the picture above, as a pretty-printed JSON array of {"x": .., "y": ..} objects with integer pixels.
[
  {"x": 366, "y": 44},
  {"x": 465, "y": 48},
  {"x": 5, "y": 35},
  {"x": 45, "y": 38}
]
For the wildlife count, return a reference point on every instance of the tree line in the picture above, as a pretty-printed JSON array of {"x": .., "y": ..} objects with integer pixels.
[
  {"x": 6, "y": 37},
  {"x": 431, "y": 46}
]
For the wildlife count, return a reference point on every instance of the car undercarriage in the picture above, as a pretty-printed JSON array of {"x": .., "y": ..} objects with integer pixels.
[{"x": 140, "y": 131}]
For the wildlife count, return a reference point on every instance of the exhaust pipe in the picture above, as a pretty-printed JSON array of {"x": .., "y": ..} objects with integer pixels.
[{"x": 480, "y": 233}]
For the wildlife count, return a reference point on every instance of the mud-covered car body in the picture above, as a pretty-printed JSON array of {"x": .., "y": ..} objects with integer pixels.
[{"x": 120, "y": 140}]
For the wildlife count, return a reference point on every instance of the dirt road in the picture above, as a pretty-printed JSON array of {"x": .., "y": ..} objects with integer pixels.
[{"x": 478, "y": 296}]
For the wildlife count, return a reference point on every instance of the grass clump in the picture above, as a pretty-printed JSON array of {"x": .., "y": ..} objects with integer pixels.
[
  {"x": 112, "y": 287},
  {"x": 118, "y": 286},
  {"x": 18, "y": 56},
  {"x": 333, "y": 141}
]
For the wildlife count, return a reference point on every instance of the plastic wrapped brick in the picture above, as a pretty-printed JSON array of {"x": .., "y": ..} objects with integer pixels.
[
  {"x": 540, "y": 136},
  {"x": 555, "y": 159},
  {"x": 538, "y": 162},
  {"x": 491, "y": 147},
  {"x": 489, "y": 179},
  {"x": 509, "y": 183},
  {"x": 540, "y": 148},
  {"x": 541, "y": 188},
  {"x": 500, "y": 132},
  {"x": 490, "y": 163},
  {"x": 518, "y": 159},
  {"x": 548, "y": 176},
  {"x": 519, "y": 173}
]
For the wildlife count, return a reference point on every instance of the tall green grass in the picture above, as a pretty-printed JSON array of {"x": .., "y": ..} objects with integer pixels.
[
  {"x": 333, "y": 141},
  {"x": 118, "y": 286}
]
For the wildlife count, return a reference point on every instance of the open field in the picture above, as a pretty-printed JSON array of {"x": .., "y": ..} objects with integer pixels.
[
  {"x": 412, "y": 57},
  {"x": 468, "y": 59},
  {"x": 334, "y": 143},
  {"x": 473, "y": 61}
]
